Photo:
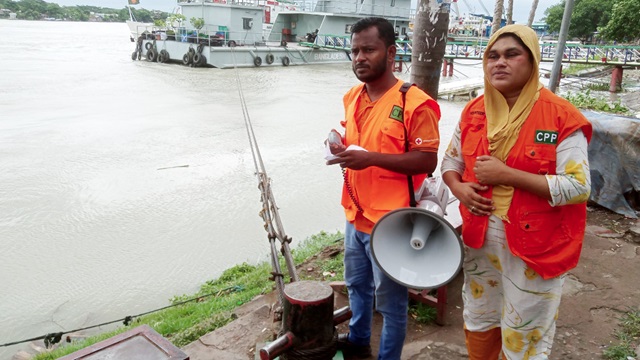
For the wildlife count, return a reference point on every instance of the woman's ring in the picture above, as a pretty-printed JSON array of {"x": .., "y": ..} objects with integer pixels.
[{"x": 472, "y": 208}]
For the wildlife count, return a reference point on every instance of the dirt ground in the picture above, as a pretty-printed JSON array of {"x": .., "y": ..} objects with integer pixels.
[{"x": 603, "y": 286}]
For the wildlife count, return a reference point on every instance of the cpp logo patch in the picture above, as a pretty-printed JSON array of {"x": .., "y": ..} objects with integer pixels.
[
  {"x": 396, "y": 113},
  {"x": 546, "y": 137}
]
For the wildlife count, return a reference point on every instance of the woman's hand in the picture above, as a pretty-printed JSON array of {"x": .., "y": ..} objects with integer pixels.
[
  {"x": 490, "y": 170},
  {"x": 467, "y": 194}
]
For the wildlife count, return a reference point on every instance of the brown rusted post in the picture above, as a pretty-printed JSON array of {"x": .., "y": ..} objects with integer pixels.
[
  {"x": 444, "y": 67},
  {"x": 450, "y": 67},
  {"x": 616, "y": 79}
]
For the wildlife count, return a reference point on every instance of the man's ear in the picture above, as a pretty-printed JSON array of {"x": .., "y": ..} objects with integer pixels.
[{"x": 391, "y": 53}]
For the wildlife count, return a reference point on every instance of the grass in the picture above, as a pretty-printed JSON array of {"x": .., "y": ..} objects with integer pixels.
[
  {"x": 574, "y": 69},
  {"x": 423, "y": 313},
  {"x": 629, "y": 336},
  {"x": 212, "y": 306},
  {"x": 586, "y": 101}
]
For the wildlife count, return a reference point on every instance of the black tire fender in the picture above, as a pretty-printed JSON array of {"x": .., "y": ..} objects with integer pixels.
[
  {"x": 134, "y": 55},
  {"x": 186, "y": 59},
  {"x": 285, "y": 61},
  {"x": 148, "y": 46},
  {"x": 197, "y": 58},
  {"x": 151, "y": 55},
  {"x": 257, "y": 61},
  {"x": 269, "y": 58},
  {"x": 165, "y": 55}
]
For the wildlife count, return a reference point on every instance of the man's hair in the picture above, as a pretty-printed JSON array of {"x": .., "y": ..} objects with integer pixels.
[{"x": 385, "y": 29}]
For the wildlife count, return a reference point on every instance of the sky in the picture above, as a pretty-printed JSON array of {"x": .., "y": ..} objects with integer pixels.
[{"x": 520, "y": 13}]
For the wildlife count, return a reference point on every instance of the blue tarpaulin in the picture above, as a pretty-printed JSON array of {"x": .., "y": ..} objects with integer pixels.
[{"x": 614, "y": 159}]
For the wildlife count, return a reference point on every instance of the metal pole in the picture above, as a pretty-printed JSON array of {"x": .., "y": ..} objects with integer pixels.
[{"x": 562, "y": 39}]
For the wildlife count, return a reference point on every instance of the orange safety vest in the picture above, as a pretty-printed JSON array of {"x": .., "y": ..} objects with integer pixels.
[
  {"x": 548, "y": 239},
  {"x": 377, "y": 190}
]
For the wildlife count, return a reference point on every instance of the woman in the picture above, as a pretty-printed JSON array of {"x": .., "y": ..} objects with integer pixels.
[{"x": 518, "y": 164}]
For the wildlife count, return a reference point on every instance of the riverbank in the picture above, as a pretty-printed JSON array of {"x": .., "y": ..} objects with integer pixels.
[{"x": 597, "y": 292}]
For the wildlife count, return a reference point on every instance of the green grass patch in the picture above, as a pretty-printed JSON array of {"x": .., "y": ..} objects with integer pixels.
[
  {"x": 574, "y": 69},
  {"x": 423, "y": 313},
  {"x": 587, "y": 101},
  {"x": 628, "y": 334},
  {"x": 212, "y": 306}
]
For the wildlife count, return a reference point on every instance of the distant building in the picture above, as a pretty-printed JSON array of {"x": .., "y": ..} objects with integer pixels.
[{"x": 540, "y": 28}]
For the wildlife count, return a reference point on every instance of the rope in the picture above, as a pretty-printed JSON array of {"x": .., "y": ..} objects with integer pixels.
[
  {"x": 54, "y": 338},
  {"x": 269, "y": 212}
]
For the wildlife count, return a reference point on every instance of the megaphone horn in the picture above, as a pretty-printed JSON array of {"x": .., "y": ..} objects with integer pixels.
[{"x": 416, "y": 246}]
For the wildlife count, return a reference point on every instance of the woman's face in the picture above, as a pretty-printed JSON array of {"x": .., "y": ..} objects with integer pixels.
[{"x": 508, "y": 66}]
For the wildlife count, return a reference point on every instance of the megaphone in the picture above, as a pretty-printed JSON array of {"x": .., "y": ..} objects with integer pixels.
[{"x": 415, "y": 246}]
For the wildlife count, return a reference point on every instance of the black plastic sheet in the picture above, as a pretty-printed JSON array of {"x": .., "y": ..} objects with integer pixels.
[{"x": 614, "y": 159}]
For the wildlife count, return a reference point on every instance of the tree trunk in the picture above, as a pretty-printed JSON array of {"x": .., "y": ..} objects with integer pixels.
[
  {"x": 532, "y": 13},
  {"x": 497, "y": 16},
  {"x": 429, "y": 42},
  {"x": 510, "y": 13}
]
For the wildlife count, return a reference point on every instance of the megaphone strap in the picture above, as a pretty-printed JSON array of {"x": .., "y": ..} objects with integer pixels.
[{"x": 403, "y": 89}]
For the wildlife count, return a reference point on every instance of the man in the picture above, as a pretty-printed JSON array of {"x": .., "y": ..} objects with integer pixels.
[{"x": 376, "y": 180}]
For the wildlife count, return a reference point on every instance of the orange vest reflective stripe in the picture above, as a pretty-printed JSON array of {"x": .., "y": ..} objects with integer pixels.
[
  {"x": 548, "y": 239},
  {"x": 378, "y": 190}
]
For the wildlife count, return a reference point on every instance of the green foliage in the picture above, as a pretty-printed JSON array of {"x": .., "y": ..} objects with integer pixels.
[
  {"x": 586, "y": 17},
  {"x": 423, "y": 313},
  {"x": 574, "y": 69},
  {"x": 586, "y": 101},
  {"x": 175, "y": 20},
  {"x": 197, "y": 23},
  {"x": 628, "y": 336},
  {"x": 39, "y": 9},
  {"x": 625, "y": 21}
]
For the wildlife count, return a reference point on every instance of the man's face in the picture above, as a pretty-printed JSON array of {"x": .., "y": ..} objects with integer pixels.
[
  {"x": 508, "y": 66},
  {"x": 370, "y": 56}
]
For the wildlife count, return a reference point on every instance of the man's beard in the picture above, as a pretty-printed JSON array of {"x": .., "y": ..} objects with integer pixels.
[{"x": 376, "y": 72}]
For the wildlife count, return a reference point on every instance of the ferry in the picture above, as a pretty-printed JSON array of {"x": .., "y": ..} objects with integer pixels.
[{"x": 257, "y": 33}]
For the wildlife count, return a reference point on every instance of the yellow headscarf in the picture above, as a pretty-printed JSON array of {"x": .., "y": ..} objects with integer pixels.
[{"x": 503, "y": 125}]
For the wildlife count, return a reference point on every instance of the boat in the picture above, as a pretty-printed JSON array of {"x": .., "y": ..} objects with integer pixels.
[
  {"x": 136, "y": 27},
  {"x": 245, "y": 33}
]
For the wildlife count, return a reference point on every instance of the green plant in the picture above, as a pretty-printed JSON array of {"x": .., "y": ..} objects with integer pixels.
[
  {"x": 576, "y": 68},
  {"x": 628, "y": 335},
  {"x": 586, "y": 101},
  {"x": 197, "y": 23},
  {"x": 175, "y": 21},
  {"x": 423, "y": 313}
]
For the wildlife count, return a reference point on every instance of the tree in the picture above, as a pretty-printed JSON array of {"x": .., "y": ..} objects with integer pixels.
[
  {"x": 532, "y": 13},
  {"x": 624, "y": 24},
  {"x": 197, "y": 23},
  {"x": 587, "y": 16},
  {"x": 429, "y": 45},
  {"x": 497, "y": 16},
  {"x": 553, "y": 17}
]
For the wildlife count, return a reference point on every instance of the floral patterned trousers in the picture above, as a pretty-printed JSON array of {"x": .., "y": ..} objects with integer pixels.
[{"x": 501, "y": 291}]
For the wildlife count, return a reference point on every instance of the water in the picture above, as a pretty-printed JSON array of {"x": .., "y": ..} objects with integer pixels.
[{"x": 126, "y": 183}]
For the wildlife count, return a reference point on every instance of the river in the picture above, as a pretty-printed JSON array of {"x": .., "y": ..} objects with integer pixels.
[{"x": 125, "y": 183}]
